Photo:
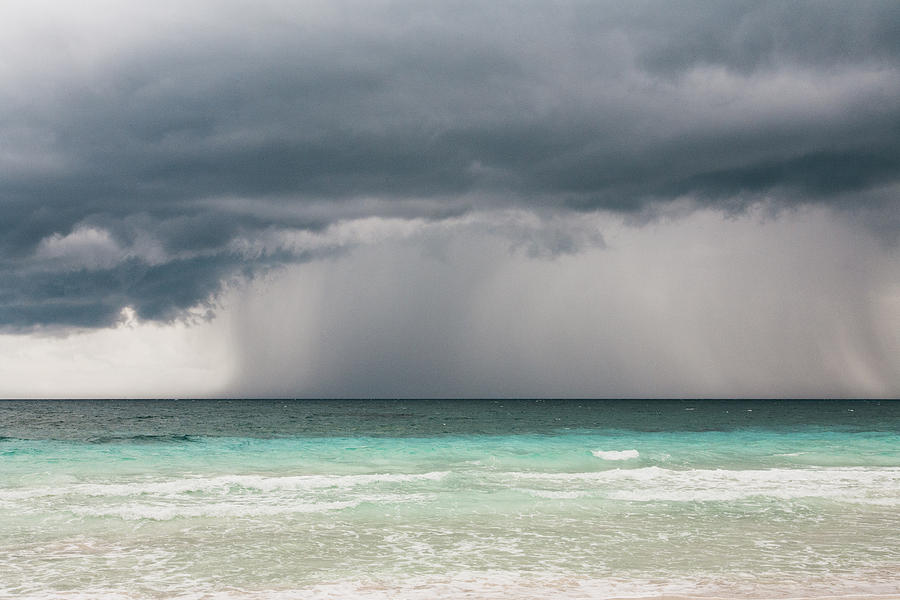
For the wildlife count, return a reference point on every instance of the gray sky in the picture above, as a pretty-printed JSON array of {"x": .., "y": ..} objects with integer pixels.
[{"x": 455, "y": 198}]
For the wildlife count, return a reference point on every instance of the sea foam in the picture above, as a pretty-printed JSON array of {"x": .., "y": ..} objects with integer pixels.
[{"x": 877, "y": 486}]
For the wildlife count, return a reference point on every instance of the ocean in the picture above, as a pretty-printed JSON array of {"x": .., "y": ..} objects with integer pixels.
[{"x": 426, "y": 499}]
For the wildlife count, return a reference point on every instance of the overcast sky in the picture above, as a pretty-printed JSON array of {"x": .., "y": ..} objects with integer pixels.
[{"x": 383, "y": 199}]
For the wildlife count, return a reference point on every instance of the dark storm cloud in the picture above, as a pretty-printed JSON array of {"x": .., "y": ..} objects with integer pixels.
[
  {"x": 95, "y": 297},
  {"x": 148, "y": 125}
]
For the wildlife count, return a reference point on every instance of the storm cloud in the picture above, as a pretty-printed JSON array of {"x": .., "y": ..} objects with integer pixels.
[{"x": 147, "y": 148}]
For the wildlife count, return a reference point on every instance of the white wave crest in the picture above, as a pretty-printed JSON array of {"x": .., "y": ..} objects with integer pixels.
[
  {"x": 221, "y": 485},
  {"x": 616, "y": 454}
]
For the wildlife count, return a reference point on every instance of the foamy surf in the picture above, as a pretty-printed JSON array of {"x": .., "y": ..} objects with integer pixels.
[{"x": 504, "y": 585}]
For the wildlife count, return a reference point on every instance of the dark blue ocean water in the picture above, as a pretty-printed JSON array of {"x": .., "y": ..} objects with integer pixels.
[{"x": 96, "y": 420}]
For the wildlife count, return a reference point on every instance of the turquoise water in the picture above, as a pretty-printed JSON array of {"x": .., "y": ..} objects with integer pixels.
[{"x": 425, "y": 499}]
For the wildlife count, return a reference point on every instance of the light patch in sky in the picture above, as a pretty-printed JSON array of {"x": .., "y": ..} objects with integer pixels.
[
  {"x": 85, "y": 247},
  {"x": 132, "y": 360}
]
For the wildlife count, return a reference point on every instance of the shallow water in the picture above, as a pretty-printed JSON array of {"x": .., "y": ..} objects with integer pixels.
[{"x": 470, "y": 499}]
